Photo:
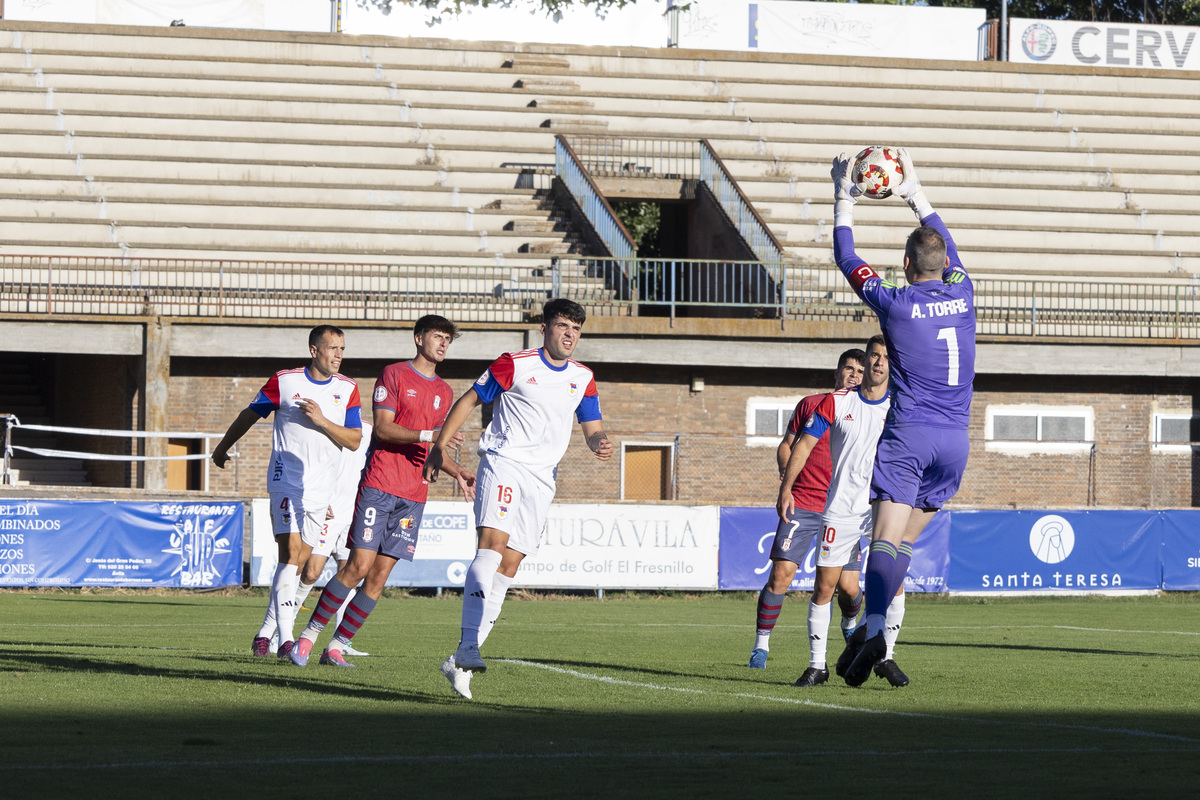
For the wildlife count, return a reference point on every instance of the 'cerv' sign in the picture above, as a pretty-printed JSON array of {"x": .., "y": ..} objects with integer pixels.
[{"x": 1102, "y": 44}]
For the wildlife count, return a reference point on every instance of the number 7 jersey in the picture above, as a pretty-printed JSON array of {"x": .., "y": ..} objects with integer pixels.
[{"x": 930, "y": 332}]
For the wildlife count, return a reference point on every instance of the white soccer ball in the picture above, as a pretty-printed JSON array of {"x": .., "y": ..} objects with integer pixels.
[{"x": 877, "y": 171}]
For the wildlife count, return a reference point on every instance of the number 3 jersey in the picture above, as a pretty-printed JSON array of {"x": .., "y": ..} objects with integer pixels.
[
  {"x": 930, "y": 332},
  {"x": 534, "y": 402},
  {"x": 854, "y": 425},
  {"x": 304, "y": 461}
]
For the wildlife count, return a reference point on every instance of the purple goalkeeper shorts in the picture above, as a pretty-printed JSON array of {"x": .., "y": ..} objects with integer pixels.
[{"x": 919, "y": 465}]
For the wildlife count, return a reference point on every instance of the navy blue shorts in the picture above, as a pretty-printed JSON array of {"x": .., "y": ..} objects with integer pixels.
[
  {"x": 386, "y": 524},
  {"x": 918, "y": 465}
]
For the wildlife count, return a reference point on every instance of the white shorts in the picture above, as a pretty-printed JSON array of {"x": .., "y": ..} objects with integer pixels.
[
  {"x": 509, "y": 499},
  {"x": 288, "y": 515},
  {"x": 335, "y": 542},
  {"x": 840, "y": 540}
]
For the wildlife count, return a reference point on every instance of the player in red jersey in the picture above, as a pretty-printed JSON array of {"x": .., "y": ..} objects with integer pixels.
[
  {"x": 795, "y": 535},
  {"x": 410, "y": 404}
]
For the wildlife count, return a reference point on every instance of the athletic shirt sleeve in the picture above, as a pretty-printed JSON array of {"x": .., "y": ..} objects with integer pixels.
[
  {"x": 386, "y": 393},
  {"x": 267, "y": 399},
  {"x": 820, "y": 420},
  {"x": 866, "y": 282},
  {"x": 497, "y": 378},
  {"x": 354, "y": 409},
  {"x": 589, "y": 406}
]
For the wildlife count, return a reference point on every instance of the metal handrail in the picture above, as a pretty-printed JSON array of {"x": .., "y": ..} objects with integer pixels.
[
  {"x": 739, "y": 209},
  {"x": 632, "y": 157},
  {"x": 591, "y": 201},
  {"x": 68, "y": 286}
]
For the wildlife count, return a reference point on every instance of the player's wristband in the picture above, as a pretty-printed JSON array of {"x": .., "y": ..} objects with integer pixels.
[{"x": 426, "y": 436}]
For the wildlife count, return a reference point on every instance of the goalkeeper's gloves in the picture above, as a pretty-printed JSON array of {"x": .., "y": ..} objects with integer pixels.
[
  {"x": 910, "y": 188},
  {"x": 845, "y": 193}
]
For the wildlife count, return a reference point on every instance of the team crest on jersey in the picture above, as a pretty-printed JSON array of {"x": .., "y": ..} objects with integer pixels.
[
  {"x": 368, "y": 534},
  {"x": 437, "y": 402},
  {"x": 482, "y": 378},
  {"x": 825, "y": 550},
  {"x": 503, "y": 512},
  {"x": 786, "y": 545},
  {"x": 407, "y": 523},
  {"x": 574, "y": 388},
  {"x": 380, "y": 394},
  {"x": 337, "y": 399}
]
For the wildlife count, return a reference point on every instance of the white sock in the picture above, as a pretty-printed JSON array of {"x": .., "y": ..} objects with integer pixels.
[
  {"x": 302, "y": 592},
  {"x": 491, "y": 611},
  {"x": 284, "y": 591},
  {"x": 341, "y": 612},
  {"x": 478, "y": 585},
  {"x": 891, "y": 627},
  {"x": 268, "y": 625},
  {"x": 818, "y": 632}
]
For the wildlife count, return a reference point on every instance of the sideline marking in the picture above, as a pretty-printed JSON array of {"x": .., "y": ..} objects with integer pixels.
[{"x": 799, "y": 701}]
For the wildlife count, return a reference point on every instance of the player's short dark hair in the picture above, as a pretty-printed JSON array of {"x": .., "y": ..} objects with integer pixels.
[
  {"x": 926, "y": 250},
  {"x": 318, "y": 333},
  {"x": 562, "y": 307},
  {"x": 436, "y": 322},
  {"x": 852, "y": 354},
  {"x": 879, "y": 340}
]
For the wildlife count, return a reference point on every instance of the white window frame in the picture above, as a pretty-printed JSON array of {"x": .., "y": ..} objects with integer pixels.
[
  {"x": 1156, "y": 432},
  {"x": 754, "y": 404},
  {"x": 1024, "y": 448},
  {"x": 670, "y": 446}
]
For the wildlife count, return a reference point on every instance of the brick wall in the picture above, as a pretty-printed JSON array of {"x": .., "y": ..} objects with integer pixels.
[{"x": 715, "y": 465}]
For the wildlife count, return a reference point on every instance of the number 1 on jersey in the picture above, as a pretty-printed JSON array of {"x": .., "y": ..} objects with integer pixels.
[{"x": 951, "y": 337}]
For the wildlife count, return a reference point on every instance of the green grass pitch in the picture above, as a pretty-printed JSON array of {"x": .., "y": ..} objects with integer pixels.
[{"x": 119, "y": 694}]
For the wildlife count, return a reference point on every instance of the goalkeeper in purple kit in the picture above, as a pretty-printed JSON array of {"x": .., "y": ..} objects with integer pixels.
[{"x": 929, "y": 327}]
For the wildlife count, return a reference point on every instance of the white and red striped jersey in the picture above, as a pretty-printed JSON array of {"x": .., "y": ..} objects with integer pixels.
[
  {"x": 854, "y": 427},
  {"x": 304, "y": 461},
  {"x": 533, "y": 405}
]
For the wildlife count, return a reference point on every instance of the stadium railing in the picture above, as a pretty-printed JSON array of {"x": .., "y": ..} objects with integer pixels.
[{"x": 65, "y": 286}]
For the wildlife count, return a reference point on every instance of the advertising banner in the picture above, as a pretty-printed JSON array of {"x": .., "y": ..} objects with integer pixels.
[
  {"x": 1047, "y": 551},
  {"x": 583, "y": 546},
  {"x": 843, "y": 29},
  {"x": 1180, "y": 534},
  {"x": 747, "y": 535},
  {"x": 445, "y": 547},
  {"x": 1103, "y": 44},
  {"x": 106, "y": 543}
]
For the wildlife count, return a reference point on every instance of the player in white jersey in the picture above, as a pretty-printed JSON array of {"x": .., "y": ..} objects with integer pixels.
[
  {"x": 333, "y": 538},
  {"x": 535, "y": 395},
  {"x": 854, "y": 419},
  {"x": 317, "y": 413}
]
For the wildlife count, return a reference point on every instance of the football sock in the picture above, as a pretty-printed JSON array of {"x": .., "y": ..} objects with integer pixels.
[
  {"x": 478, "y": 585},
  {"x": 302, "y": 591},
  {"x": 818, "y": 632},
  {"x": 850, "y": 619},
  {"x": 491, "y": 611},
  {"x": 903, "y": 559},
  {"x": 357, "y": 611},
  {"x": 331, "y": 599},
  {"x": 284, "y": 595},
  {"x": 881, "y": 567},
  {"x": 769, "y": 606},
  {"x": 892, "y": 623},
  {"x": 341, "y": 612},
  {"x": 269, "y": 626}
]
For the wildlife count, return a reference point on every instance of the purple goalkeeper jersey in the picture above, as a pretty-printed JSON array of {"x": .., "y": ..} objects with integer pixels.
[{"x": 930, "y": 332}]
